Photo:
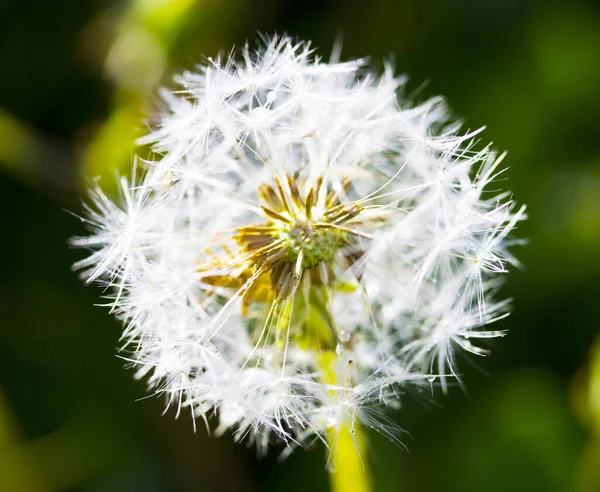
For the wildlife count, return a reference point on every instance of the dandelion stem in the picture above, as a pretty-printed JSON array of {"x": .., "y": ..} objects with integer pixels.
[
  {"x": 349, "y": 471},
  {"x": 347, "y": 464}
]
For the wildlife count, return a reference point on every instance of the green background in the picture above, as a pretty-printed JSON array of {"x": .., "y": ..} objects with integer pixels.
[{"x": 78, "y": 78}]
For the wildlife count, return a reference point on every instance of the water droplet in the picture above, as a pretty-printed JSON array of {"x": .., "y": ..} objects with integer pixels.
[
  {"x": 431, "y": 379},
  {"x": 344, "y": 336},
  {"x": 271, "y": 97}
]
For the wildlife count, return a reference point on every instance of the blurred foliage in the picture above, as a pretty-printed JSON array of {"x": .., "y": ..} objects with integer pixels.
[
  {"x": 139, "y": 42},
  {"x": 80, "y": 78},
  {"x": 586, "y": 397}
]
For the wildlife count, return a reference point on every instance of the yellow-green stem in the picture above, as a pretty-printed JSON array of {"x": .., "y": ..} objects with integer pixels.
[
  {"x": 349, "y": 470},
  {"x": 347, "y": 466}
]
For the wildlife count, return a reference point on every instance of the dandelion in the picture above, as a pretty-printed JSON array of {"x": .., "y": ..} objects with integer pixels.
[{"x": 308, "y": 246}]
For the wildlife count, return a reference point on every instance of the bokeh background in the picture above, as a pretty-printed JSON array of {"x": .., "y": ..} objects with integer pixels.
[{"x": 78, "y": 79}]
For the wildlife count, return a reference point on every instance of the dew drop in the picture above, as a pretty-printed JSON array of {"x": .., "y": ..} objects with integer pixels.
[
  {"x": 343, "y": 336},
  {"x": 431, "y": 379},
  {"x": 271, "y": 97}
]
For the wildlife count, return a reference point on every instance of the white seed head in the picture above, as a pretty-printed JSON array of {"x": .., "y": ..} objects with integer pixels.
[{"x": 308, "y": 244}]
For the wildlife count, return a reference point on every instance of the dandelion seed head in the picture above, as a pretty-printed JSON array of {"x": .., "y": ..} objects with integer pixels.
[{"x": 307, "y": 245}]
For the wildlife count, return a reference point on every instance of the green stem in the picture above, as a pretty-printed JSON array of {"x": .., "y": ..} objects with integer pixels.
[
  {"x": 349, "y": 471},
  {"x": 348, "y": 468}
]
